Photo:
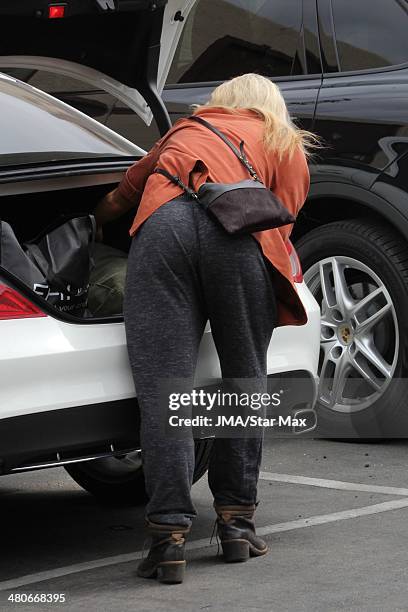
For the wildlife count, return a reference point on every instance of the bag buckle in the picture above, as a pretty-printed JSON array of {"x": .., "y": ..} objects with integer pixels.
[{"x": 188, "y": 190}]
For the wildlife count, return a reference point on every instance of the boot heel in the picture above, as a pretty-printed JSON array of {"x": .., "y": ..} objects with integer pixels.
[
  {"x": 171, "y": 572},
  {"x": 235, "y": 550}
]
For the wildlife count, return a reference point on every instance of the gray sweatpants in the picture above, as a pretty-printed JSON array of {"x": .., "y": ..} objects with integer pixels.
[{"x": 183, "y": 270}]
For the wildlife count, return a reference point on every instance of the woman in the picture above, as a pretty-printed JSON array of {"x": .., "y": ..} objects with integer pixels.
[{"x": 185, "y": 269}]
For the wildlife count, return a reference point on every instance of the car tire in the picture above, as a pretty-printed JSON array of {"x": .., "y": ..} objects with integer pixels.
[
  {"x": 364, "y": 341},
  {"x": 120, "y": 481}
]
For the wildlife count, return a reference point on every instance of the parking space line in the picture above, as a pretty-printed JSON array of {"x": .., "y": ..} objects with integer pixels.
[
  {"x": 332, "y": 484},
  {"x": 312, "y": 521},
  {"x": 343, "y": 515}
]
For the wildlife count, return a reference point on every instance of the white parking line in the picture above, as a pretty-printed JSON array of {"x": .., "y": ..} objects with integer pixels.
[
  {"x": 332, "y": 484},
  {"x": 312, "y": 521}
]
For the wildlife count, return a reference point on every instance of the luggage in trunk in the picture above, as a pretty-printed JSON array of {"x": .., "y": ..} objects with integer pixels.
[
  {"x": 107, "y": 281},
  {"x": 29, "y": 214}
]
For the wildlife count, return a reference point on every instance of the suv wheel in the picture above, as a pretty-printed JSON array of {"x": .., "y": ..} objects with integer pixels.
[
  {"x": 358, "y": 272},
  {"x": 119, "y": 480}
]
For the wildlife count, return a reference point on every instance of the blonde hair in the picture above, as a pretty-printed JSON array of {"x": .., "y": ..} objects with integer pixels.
[{"x": 259, "y": 94}]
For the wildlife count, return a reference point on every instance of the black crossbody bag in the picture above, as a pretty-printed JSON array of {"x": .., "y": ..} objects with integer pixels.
[{"x": 241, "y": 208}]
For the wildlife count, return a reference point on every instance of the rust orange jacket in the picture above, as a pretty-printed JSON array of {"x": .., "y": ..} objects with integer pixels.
[{"x": 189, "y": 148}]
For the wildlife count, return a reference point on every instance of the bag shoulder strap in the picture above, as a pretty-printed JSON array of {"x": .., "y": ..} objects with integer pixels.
[
  {"x": 177, "y": 181},
  {"x": 239, "y": 153}
]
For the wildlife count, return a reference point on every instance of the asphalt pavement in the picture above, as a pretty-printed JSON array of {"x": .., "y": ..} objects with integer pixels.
[{"x": 335, "y": 515}]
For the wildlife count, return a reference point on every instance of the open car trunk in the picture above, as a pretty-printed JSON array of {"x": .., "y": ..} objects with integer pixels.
[
  {"x": 123, "y": 47},
  {"x": 30, "y": 213}
]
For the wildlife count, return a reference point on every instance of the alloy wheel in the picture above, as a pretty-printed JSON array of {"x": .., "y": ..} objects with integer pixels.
[{"x": 359, "y": 333}]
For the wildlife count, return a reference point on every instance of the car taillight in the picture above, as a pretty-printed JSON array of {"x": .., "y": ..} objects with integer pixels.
[
  {"x": 16, "y": 306},
  {"x": 56, "y": 11},
  {"x": 294, "y": 262}
]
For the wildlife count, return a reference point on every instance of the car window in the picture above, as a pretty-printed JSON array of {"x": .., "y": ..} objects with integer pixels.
[
  {"x": 46, "y": 80},
  {"x": 225, "y": 38},
  {"x": 370, "y": 34},
  {"x": 36, "y": 127},
  {"x": 79, "y": 94},
  {"x": 126, "y": 122}
]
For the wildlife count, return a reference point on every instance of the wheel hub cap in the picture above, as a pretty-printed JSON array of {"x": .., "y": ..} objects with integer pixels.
[{"x": 345, "y": 334}]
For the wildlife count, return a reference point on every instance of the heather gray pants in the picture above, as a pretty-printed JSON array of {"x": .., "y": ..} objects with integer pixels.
[{"x": 183, "y": 270}]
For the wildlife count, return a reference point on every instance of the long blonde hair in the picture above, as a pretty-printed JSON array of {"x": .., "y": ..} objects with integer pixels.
[{"x": 257, "y": 93}]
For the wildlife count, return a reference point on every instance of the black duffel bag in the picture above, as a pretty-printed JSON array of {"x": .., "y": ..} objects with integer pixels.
[
  {"x": 241, "y": 208},
  {"x": 56, "y": 264}
]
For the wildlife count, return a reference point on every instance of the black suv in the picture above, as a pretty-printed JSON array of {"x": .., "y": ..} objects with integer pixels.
[{"x": 343, "y": 69}]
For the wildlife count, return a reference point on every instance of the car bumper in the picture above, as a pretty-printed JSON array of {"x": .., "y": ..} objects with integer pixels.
[
  {"x": 67, "y": 390},
  {"x": 47, "y": 364}
]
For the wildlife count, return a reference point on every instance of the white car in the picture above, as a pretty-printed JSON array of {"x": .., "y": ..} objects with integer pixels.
[{"x": 67, "y": 396}]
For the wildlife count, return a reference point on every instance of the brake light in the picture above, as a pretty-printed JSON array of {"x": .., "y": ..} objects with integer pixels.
[
  {"x": 294, "y": 262},
  {"x": 16, "y": 306},
  {"x": 56, "y": 11}
]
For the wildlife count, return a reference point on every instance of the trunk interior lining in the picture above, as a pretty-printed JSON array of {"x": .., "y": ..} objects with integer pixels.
[{"x": 28, "y": 214}]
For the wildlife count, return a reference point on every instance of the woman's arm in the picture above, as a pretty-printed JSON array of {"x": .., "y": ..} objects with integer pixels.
[
  {"x": 129, "y": 191},
  {"x": 112, "y": 206}
]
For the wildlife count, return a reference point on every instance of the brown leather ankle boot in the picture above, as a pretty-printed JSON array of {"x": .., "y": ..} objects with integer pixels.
[
  {"x": 165, "y": 560},
  {"x": 236, "y": 531}
]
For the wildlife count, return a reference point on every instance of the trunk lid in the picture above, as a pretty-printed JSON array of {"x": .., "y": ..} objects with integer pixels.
[{"x": 124, "y": 47}]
